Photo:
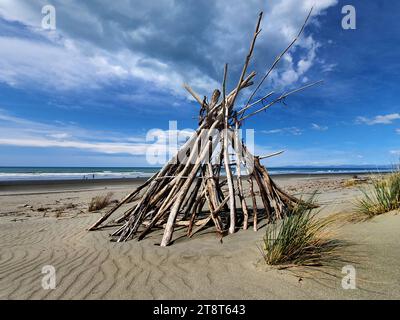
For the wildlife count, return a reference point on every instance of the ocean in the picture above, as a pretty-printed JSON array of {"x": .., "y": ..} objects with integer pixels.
[{"x": 81, "y": 173}]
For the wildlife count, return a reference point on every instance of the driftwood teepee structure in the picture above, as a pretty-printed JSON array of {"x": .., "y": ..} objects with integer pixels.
[{"x": 190, "y": 190}]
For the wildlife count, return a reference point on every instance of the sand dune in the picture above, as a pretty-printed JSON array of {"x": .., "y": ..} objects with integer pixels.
[{"x": 89, "y": 266}]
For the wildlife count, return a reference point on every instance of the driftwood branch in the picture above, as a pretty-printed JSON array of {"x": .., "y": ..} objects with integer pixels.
[
  {"x": 279, "y": 57},
  {"x": 280, "y": 98},
  {"x": 191, "y": 191}
]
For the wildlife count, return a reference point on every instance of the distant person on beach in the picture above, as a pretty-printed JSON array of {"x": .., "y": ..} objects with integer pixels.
[{"x": 93, "y": 175}]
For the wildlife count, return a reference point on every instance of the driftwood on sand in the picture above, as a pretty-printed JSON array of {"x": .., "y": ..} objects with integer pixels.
[{"x": 191, "y": 190}]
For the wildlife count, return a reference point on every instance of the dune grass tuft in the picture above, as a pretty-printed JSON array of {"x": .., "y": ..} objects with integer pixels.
[
  {"x": 384, "y": 196},
  {"x": 100, "y": 202},
  {"x": 301, "y": 240}
]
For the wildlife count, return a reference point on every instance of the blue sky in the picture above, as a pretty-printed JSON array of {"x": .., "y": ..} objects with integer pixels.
[{"x": 87, "y": 93}]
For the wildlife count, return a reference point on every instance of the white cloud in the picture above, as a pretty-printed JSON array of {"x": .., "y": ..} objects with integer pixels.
[
  {"x": 15, "y": 131},
  {"x": 318, "y": 127},
  {"x": 328, "y": 67},
  {"x": 272, "y": 131},
  {"x": 65, "y": 67},
  {"x": 398, "y": 131},
  {"x": 20, "y": 132},
  {"x": 380, "y": 119},
  {"x": 24, "y": 62},
  {"x": 94, "y": 45},
  {"x": 312, "y": 157},
  {"x": 289, "y": 130},
  {"x": 62, "y": 135},
  {"x": 102, "y": 147}
]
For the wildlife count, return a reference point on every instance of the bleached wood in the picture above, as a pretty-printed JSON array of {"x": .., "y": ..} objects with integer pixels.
[
  {"x": 279, "y": 57},
  {"x": 172, "y": 196}
]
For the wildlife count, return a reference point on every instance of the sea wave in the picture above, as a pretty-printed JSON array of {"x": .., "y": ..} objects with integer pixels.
[
  {"x": 30, "y": 174},
  {"x": 7, "y": 176}
]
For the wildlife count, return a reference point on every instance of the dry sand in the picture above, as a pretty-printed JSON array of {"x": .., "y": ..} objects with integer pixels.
[{"x": 45, "y": 225}]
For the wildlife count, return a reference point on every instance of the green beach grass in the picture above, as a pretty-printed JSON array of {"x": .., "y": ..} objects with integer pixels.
[{"x": 382, "y": 197}]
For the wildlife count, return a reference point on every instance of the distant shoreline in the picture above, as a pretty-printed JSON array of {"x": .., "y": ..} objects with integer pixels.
[
  {"x": 45, "y": 186},
  {"x": 75, "y": 185},
  {"x": 11, "y": 176},
  {"x": 90, "y": 181}
]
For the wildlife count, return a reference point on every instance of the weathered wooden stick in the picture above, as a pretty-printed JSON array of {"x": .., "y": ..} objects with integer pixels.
[
  {"x": 193, "y": 196},
  {"x": 245, "y": 83},
  {"x": 232, "y": 205},
  {"x": 137, "y": 215},
  {"x": 197, "y": 206},
  {"x": 193, "y": 94},
  {"x": 129, "y": 196},
  {"x": 177, "y": 181},
  {"x": 271, "y": 155},
  {"x": 248, "y": 57},
  {"x": 185, "y": 223},
  {"x": 169, "y": 229},
  {"x": 279, "y": 57},
  {"x": 213, "y": 214},
  {"x": 193, "y": 154},
  {"x": 173, "y": 195},
  {"x": 254, "y": 201},
  {"x": 282, "y": 97},
  {"x": 263, "y": 194},
  {"x": 214, "y": 98},
  {"x": 290, "y": 198},
  {"x": 192, "y": 218},
  {"x": 211, "y": 185},
  {"x": 262, "y": 157},
  {"x": 256, "y": 102},
  {"x": 215, "y": 219},
  {"x": 203, "y": 224},
  {"x": 125, "y": 215},
  {"x": 161, "y": 212},
  {"x": 273, "y": 198},
  {"x": 239, "y": 177}
]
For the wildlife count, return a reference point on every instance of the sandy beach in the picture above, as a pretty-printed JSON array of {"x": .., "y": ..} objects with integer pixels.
[{"x": 45, "y": 224}]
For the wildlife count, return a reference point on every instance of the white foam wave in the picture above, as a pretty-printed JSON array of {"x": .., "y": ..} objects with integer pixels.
[{"x": 72, "y": 175}]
